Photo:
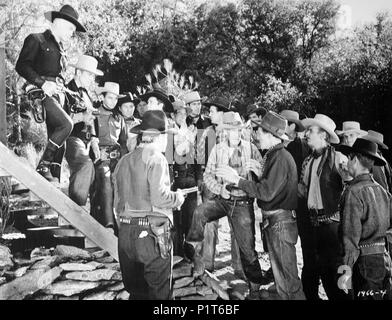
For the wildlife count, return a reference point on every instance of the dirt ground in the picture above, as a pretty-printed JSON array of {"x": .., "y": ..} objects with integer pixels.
[{"x": 225, "y": 272}]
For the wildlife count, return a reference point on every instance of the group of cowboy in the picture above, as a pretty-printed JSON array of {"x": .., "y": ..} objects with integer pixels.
[{"x": 331, "y": 188}]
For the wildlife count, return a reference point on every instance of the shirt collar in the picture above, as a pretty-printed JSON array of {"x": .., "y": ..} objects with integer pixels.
[{"x": 361, "y": 177}]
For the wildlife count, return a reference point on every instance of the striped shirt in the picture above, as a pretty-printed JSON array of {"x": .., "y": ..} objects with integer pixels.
[{"x": 222, "y": 154}]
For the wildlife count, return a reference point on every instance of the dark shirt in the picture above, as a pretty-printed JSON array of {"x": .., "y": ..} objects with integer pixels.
[
  {"x": 80, "y": 129},
  {"x": 277, "y": 187},
  {"x": 365, "y": 215},
  {"x": 299, "y": 149},
  {"x": 40, "y": 56}
]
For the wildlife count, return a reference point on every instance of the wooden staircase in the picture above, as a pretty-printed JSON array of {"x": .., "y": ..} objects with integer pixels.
[{"x": 50, "y": 196}]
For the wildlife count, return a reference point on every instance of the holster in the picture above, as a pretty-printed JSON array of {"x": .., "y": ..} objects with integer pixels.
[{"x": 162, "y": 230}]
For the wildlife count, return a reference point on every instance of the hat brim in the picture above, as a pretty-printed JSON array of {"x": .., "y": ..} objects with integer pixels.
[
  {"x": 313, "y": 122},
  {"x": 202, "y": 100},
  {"x": 284, "y": 136},
  {"x": 139, "y": 129},
  {"x": 359, "y": 131},
  {"x": 51, "y": 15},
  {"x": 378, "y": 161},
  {"x": 300, "y": 127},
  {"x": 97, "y": 72},
  {"x": 380, "y": 144},
  {"x": 103, "y": 90},
  {"x": 168, "y": 106}
]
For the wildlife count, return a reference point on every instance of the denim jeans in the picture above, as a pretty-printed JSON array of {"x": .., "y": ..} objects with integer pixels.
[
  {"x": 146, "y": 275},
  {"x": 281, "y": 239},
  {"x": 242, "y": 219},
  {"x": 81, "y": 170},
  {"x": 371, "y": 277}
]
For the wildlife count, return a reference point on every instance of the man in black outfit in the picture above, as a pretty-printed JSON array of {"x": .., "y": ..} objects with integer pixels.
[{"x": 42, "y": 61}]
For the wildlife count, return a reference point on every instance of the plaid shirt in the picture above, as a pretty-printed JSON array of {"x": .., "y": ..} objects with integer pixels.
[{"x": 222, "y": 154}]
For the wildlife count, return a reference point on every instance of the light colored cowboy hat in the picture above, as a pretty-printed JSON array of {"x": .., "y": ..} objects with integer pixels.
[
  {"x": 231, "y": 120},
  {"x": 325, "y": 123},
  {"x": 111, "y": 87},
  {"x": 365, "y": 147},
  {"x": 293, "y": 116},
  {"x": 376, "y": 137},
  {"x": 274, "y": 124},
  {"x": 87, "y": 63},
  {"x": 351, "y": 127},
  {"x": 191, "y": 96},
  {"x": 67, "y": 13}
]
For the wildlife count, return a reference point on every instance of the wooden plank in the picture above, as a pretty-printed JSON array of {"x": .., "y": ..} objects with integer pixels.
[
  {"x": 65, "y": 207},
  {"x": 3, "y": 120}
]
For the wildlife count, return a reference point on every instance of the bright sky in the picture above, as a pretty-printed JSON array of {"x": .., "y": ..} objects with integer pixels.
[{"x": 364, "y": 11}]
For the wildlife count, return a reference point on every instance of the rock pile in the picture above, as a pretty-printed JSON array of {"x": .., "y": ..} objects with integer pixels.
[{"x": 63, "y": 273}]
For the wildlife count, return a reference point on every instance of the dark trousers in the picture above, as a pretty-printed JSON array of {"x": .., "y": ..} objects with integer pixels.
[
  {"x": 310, "y": 276},
  {"x": 371, "y": 277},
  {"x": 81, "y": 170},
  {"x": 182, "y": 219},
  {"x": 58, "y": 122},
  {"x": 102, "y": 195},
  {"x": 146, "y": 275},
  {"x": 327, "y": 255},
  {"x": 242, "y": 220}
]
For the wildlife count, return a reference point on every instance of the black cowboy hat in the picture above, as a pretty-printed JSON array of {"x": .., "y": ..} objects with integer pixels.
[
  {"x": 153, "y": 121},
  {"x": 253, "y": 108},
  {"x": 220, "y": 102},
  {"x": 159, "y": 93},
  {"x": 363, "y": 146},
  {"x": 129, "y": 97},
  {"x": 67, "y": 13}
]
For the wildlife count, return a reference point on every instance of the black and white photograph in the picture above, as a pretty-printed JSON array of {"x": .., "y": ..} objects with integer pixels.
[{"x": 206, "y": 152}]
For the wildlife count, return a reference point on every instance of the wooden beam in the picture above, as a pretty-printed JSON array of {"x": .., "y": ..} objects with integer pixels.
[
  {"x": 3, "y": 120},
  {"x": 65, "y": 207}
]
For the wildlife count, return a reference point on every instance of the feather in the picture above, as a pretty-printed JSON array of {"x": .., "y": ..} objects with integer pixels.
[
  {"x": 182, "y": 81},
  {"x": 148, "y": 77}
]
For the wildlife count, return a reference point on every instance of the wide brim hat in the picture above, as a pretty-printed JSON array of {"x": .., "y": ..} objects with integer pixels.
[
  {"x": 350, "y": 127},
  {"x": 220, "y": 102},
  {"x": 87, "y": 63},
  {"x": 260, "y": 111},
  {"x": 377, "y": 138},
  {"x": 161, "y": 95},
  {"x": 111, "y": 87},
  {"x": 293, "y": 116},
  {"x": 324, "y": 122},
  {"x": 153, "y": 122},
  {"x": 365, "y": 147},
  {"x": 231, "y": 120},
  {"x": 128, "y": 97},
  {"x": 67, "y": 13},
  {"x": 192, "y": 96},
  {"x": 274, "y": 124}
]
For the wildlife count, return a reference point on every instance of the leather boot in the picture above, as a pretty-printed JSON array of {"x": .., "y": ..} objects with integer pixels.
[
  {"x": 44, "y": 166},
  {"x": 254, "y": 291}
]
